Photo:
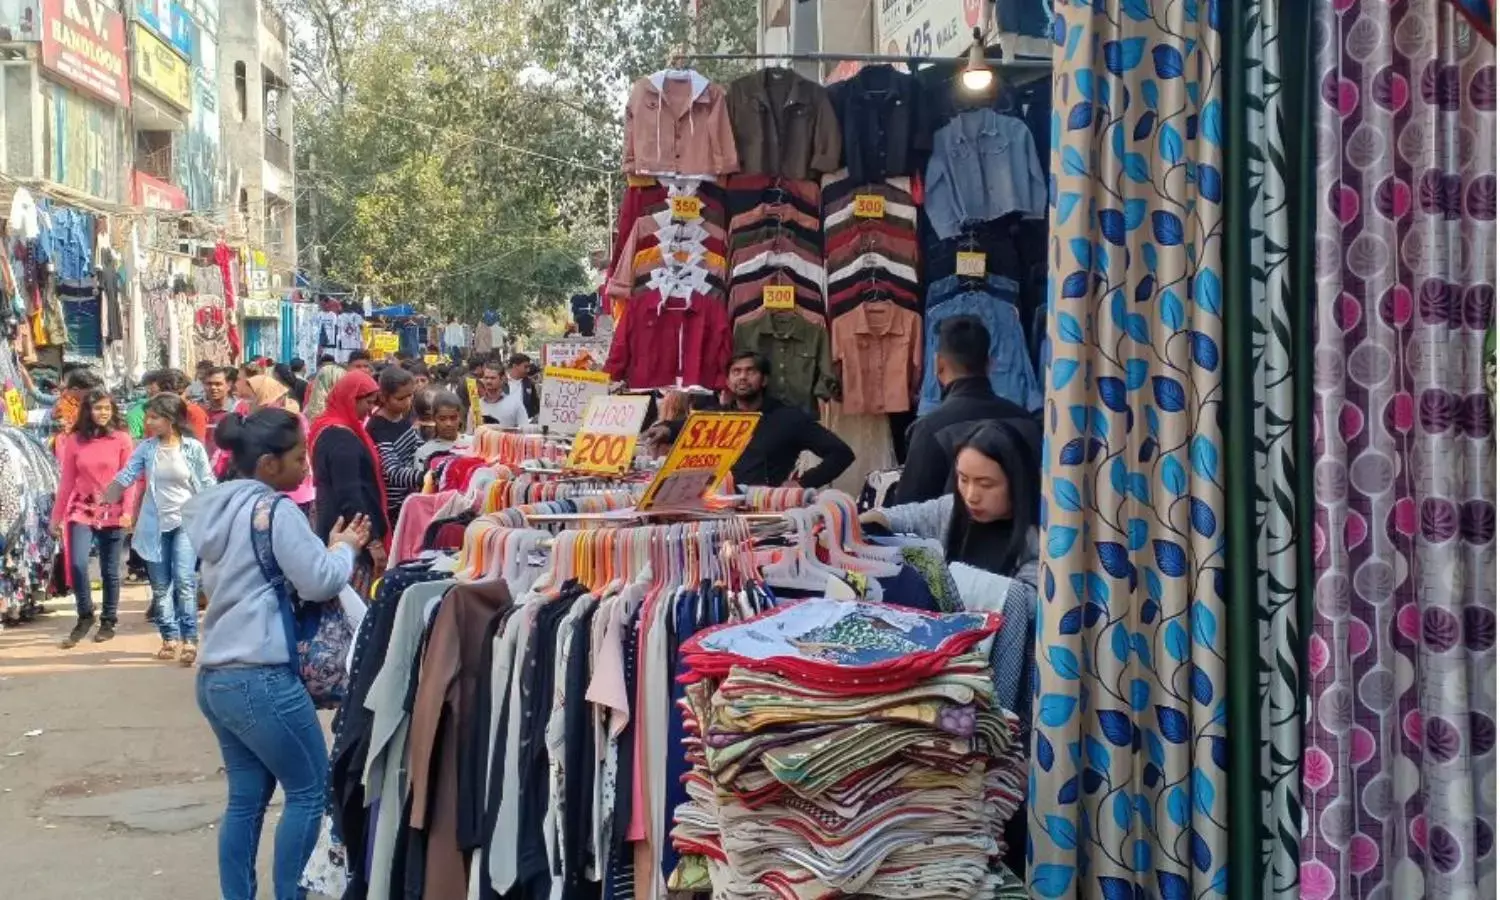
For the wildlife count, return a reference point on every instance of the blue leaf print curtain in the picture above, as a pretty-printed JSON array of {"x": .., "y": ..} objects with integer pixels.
[{"x": 1129, "y": 786}]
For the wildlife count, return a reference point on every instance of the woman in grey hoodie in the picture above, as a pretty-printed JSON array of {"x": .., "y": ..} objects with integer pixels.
[{"x": 248, "y": 688}]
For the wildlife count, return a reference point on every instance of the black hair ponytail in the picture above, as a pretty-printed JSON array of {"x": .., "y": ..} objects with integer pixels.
[{"x": 247, "y": 438}]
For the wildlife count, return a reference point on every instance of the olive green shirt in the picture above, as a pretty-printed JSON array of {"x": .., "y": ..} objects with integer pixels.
[{"x": 797, "y": 347}]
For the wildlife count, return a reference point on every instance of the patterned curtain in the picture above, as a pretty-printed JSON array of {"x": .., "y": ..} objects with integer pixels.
[
  {"x": 1129, "y": 792},
  {"x": 1399, "y": 767}
]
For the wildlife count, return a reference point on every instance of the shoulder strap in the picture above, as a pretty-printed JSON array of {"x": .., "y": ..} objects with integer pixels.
[{"x": 261, "y": 518}]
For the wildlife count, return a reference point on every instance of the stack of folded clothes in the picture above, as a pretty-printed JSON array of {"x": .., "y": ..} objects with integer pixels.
[{"x": 842, "y": 748}]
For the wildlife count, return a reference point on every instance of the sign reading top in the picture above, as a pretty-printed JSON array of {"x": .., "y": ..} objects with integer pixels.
[{"x": 83, "y": 41}]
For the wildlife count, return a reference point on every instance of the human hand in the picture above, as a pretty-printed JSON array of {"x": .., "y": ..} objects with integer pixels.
[{"x": 356, "y": 534}]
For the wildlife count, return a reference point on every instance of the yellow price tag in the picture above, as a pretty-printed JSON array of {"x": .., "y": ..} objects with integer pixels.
[
  {"x": 970, "y": 264},
  {"x": 779, "y": 296},
  {"x": 431, "y": 359},
  {"x": 705, "y": 451},
  {"x": 685, "y": 209},
  {"x": 15, "y": 409},
  {"x": 607, "y": 434},
  {"x": 869, "y": 206},
  {"x": 476, "y": 417}
]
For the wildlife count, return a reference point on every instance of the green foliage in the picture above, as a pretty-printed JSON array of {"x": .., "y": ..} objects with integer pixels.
[{"x": 466, "y": 156}]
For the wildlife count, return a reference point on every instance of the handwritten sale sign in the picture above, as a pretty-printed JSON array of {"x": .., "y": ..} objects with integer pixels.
[
  {"x": 705, "y": 451},
  {"x": 607, "y": 434},
  {"x": 566, "y": 394}
]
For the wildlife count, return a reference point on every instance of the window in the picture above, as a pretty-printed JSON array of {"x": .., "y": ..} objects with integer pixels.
[{"x": 240, "y": 88}]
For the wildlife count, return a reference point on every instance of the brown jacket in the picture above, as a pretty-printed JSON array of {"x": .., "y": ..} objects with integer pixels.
[
  {"x": 784, "y": 125},
  {"x": 678, "y": 126}
]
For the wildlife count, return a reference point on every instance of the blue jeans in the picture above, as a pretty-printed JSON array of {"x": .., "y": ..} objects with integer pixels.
[
  {"x": 269, "y": 734},
  {"x": 81, "y": 541},
  {"x": 174, "y": 587}
]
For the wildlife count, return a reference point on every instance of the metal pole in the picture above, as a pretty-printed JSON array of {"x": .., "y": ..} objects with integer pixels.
[{"x": 1026, "y": 62}]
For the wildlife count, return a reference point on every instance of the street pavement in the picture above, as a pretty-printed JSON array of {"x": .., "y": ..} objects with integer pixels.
[{"x": 110, "y": 779}]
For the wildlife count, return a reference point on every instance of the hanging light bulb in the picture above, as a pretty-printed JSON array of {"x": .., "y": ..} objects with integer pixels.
[{"x": 976, "y": 75}]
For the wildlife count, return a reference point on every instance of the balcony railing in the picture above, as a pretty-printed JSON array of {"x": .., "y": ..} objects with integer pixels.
[{"x": 278, "y": 152}]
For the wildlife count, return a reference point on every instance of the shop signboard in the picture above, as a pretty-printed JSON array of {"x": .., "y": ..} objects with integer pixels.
[
  {"x": 576, "y": 353},
  {"x": 607, "y": 435},
  {"x": 153, "y": 193},
  {"x": 158, "y": 67},
  {"x": 83, "y": 142},
  {"x": 83, "y": 42},
  {"x": 705, "y": 451},
  {"x": 20, "y": 20},
  {"x": 938, "y": 28},
  {"x": 173, "y": 21},
  {"x": 196, "y": 156},
  {"x": 566, "y": 394}
]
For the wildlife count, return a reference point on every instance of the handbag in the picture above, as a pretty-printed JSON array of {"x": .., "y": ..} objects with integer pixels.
[{"x": 318, "y": 635}]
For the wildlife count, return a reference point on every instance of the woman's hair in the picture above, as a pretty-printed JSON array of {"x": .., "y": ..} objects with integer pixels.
[
  {"x": 172, "y": 408},
  {"x": 445, "y": 400},
  {"x": 1015, "y": 445},
  {"x": 322, "y": 386},
  {"x": 674, "y": 405},
  {"x": 264, "y": 432},
  {"x": 421, "y": 403},
  {"x": 82, "y": 379},
  {"x": 393, "y": 379},
  {"x": 86, "y": 428},
  {"x": 251, "y": 369},
  {"x": 283, "y": 373}
]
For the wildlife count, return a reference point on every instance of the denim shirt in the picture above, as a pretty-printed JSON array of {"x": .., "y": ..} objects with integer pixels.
[
  {"x": 984, "y": 165},
  {"x": 147, "y": 538},
  {"x": 994, "y": 304}
]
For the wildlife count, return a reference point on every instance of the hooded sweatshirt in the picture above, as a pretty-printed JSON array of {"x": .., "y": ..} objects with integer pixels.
[{"x": 243, "y": 625}]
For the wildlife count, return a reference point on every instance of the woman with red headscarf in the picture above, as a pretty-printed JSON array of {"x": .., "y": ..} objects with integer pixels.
[{"x": 346, "y": 470}]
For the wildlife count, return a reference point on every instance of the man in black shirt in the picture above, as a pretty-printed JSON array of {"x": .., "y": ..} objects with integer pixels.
[
  {"x": 782, "y": 433},
  {"x": 963, "y": 369}
]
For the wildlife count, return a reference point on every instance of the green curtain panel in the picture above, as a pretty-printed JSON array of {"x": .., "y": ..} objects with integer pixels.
[
  {"x": 1129, "y": 792},
  {"x": 1265, "y": 669}
]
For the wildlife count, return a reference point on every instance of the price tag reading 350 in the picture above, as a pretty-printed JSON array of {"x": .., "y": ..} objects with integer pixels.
[
  {"x": 869, "y": 206},
  {"x": 687, "y": 209},
  {"x": 970, "y": 264},
  {"x": 607, "y": 434}
]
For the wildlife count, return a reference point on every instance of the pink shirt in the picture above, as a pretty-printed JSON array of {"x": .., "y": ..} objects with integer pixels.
[{"x": 86, "y": 468}]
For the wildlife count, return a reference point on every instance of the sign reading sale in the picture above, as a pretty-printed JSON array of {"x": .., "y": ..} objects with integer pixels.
[
  {"x": 566, "y": 394},
  {"x": 707, "y": 448},
  {"x": 607, "y": 434}
]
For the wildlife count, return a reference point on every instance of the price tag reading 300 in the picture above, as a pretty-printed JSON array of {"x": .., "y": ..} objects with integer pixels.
[
  {"x": 869, "y": 206},
  {"x": 607, "y": 434}
]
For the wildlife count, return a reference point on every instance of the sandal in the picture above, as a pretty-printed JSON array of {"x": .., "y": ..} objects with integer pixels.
[
  {"x": 168, "y": 650},
  {"x": 189, "y": 654}
]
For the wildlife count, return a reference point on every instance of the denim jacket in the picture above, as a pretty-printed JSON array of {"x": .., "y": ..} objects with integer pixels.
[
  {"x": 984, "y": 165},
  {"x": 147, "y": 539},
  {"x": 993, "y": 303}
]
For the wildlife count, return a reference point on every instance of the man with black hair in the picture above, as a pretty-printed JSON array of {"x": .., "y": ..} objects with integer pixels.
[
  {"x": 361, "y": 360},
  {"x": 518, "y": 371},
  {"x": 217, "y": 401},
  {"x": 200, "y": 377},
  {"x": 782, "y": 433},
  {"x": 963, "y": 370}
]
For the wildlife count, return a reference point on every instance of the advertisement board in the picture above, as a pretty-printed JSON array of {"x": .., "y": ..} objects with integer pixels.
[
  {"x": 576, "y": 353},
  {"x": 153, "y": 193},
  {"x": 83, "y": 42},
  {"x": 173, "y": 22},
  {"x": 197, "y": 157},
  {"x": 20, "y": 20},
  {"x": 941, "y": 28},
  {"x": 566, "y": 394},
  {"x": 83, "y": 142},
  {"x": 159, "y": 69}
]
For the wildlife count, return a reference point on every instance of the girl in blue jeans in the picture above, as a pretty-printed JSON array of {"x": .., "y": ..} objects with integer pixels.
[
  {"x": 248, "y": 687},
  {"x": 175, "y": 467}
]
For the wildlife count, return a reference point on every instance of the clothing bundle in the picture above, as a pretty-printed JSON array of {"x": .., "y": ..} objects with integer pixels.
[
  {"x": 28, "y": 489},
  {"x": 844, "y": 748}
]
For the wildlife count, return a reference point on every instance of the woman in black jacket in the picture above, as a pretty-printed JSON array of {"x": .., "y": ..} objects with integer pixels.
[{"x": 346, "y": 471}]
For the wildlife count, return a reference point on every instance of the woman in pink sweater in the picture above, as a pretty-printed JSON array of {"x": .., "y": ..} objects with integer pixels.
[{"x": 89, "y": 458}]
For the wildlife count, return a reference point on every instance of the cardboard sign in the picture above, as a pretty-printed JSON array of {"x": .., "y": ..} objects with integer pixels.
[
  {"x": 869, "y": 206},
  {"x": 576, "y": 353},
  {"x": 686, "y": 209},
  {"x": 15, "y": 409},
  {"x": 476, "y": 418},
  {"x": 779, "y": 296},
  {"x": 705, "y": 451},
  {"x": 431, "y": 359},
  {"x": 970, "y": 264},
  {"x": 384, "y": 343},
  {"x": 566, "y": 394},
  {"x": 607, "y": 434}
]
